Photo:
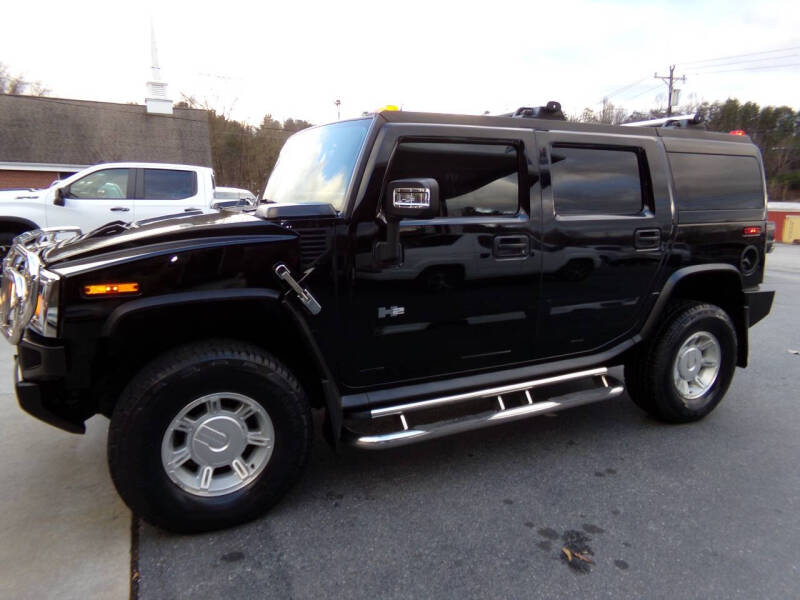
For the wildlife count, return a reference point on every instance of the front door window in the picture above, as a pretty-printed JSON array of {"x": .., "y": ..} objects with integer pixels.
[{"x": 105, "y": 184}]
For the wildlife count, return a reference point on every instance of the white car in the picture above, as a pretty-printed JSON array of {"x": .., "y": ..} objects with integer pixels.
[{"x": 107, "y": 192}]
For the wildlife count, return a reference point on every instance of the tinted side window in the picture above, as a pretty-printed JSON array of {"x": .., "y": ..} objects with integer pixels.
[
  {"x": 475, "y": 180},
  {"x": 168, "y": 184},
  {"x": 108, "y": 183},
  {"x": 715, "y": 181},
  {"x": 595, "y": 181}
]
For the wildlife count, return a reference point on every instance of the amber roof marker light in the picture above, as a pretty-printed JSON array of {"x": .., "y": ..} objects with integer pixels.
[{"x": 110, "y": 289}]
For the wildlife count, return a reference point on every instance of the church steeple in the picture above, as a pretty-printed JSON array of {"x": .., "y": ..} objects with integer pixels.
[{"x": 156, "y": 100}]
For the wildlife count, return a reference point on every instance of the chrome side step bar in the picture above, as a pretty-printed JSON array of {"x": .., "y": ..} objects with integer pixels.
[{"x": 606, "y": 388}]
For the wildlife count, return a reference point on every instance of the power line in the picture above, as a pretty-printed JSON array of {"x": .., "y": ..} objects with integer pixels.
[
  {"x": 652, "y": 89},
  {"x": 765, "y": 68},
  {"x": 622, "y": 89},
  {"x": 752, "y": 60},
  {"x": 694, "y": 62}
]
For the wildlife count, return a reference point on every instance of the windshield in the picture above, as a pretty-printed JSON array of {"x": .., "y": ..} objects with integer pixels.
[{"x": 316, "y": 165}]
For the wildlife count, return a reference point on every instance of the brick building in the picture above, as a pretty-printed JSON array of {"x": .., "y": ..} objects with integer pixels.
[{"x": 44, "y": 139}]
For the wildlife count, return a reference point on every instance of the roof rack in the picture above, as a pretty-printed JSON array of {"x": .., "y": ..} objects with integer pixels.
[
  {"x": 693, "y": 120},
  {"x": 552, "y": 110}
]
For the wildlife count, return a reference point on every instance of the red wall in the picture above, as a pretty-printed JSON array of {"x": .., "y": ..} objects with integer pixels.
[
  {"x": 778, "y": 216},
  {"x": 26, "y": 179}
]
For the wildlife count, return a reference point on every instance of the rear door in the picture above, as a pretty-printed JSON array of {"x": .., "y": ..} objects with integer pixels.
[
  {"x": 95, "y": 199},
  {"x": 464, "y": 294},
  {"x": 607, "y": 218},
  {"x": 167, "y": 191}
]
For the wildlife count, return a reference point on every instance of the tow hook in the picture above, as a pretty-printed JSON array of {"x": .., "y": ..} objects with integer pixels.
[{"x": 305, "y": 297}]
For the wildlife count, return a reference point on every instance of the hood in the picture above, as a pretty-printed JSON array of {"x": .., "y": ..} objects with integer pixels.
[{"x": 120, "y": 236}]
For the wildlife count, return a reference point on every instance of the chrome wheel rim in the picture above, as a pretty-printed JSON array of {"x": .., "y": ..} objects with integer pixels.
[
  {"x": 217, "y": 444},
  {"x": 696, "y": 366}
]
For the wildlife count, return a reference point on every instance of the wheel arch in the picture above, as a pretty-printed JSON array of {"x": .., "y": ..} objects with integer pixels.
[
  {"x": 718, "y": 284},
  {"x": 137, "y": 331},
  {"x": 17, "y": 224}
]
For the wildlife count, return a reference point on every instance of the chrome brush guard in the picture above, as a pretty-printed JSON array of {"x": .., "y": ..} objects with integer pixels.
[{"x": 21, "y": 268}]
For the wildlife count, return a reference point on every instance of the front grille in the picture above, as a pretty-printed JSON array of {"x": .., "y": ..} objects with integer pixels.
[{"x": 314, "y": 242}]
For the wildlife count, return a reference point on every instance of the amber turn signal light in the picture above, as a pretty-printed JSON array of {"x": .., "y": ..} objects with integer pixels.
[{"x": 110, "y": 289}]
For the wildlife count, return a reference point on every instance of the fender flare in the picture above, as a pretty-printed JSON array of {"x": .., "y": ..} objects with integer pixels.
[
  {"x": 740, "y": 317},
  {"x": 333, "y": 400},
  {"x": 330, "y": 390}
]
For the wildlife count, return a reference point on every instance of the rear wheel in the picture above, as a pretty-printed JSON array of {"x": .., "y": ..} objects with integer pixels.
[
  {"x": 683, "y": 372},
  {"x": 208, "y": 436}
]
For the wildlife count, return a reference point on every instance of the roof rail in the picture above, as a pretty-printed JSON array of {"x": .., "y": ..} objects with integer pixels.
[
  {"x": 693, "y": 120},
  {"x": 552, "y": 110}
]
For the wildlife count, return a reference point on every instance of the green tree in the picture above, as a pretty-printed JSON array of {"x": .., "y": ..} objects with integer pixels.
[
  {"x": 774, "y": 129},
  {"x": 243, "y": 155},
  {"x": 295, "y": 125}
]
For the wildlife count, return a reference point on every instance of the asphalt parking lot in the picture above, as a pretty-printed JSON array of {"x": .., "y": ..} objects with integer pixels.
[{"x": 694, "y": 511}]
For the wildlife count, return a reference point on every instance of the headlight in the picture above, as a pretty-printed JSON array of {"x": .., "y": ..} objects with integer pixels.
[{"x": 45, "y": 315}]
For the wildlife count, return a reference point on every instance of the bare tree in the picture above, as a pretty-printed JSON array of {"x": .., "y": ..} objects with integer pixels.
[{"x": 15, "y": 84}]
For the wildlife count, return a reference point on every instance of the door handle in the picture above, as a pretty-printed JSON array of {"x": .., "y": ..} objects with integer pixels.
[
  {"x": 647, "y": 239},
  {"x": 120, "y": 209},
  {"x": 511, "y": 246}
]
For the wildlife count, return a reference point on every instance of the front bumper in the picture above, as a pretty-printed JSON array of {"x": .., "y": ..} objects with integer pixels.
[{"x": 39, "y": 372}]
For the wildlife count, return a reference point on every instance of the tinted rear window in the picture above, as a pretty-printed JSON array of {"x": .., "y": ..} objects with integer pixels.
[
  {"x": 596, "y": 181},
  {"x": 716, "y": 181},
  {"x": 168, "y": 184}
]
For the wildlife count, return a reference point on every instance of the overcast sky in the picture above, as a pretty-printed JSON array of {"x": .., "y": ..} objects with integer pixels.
[{"x": 294, "y": 58}]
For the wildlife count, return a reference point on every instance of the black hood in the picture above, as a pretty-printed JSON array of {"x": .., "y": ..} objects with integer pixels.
[{"x": 120, "y": 236}]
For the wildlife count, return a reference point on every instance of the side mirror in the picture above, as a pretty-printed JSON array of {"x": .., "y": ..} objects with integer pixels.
[
  {"x": 411, "y": 198},
  {"x": 240, "y": 203},
  {"x": 58, "y": 196},
  {"x": 405, "y": 199}
]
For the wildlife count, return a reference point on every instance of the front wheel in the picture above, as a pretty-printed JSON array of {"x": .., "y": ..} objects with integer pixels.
[
  {"x": 208, "y": 436},
  {"x": 684, "y": 371}
]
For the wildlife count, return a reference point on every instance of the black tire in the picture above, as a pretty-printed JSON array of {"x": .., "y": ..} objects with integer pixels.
[
  {"x": 161, "y": 391},
  {"x": 6, "y": 238},
  {"x": 650, "y": 372}
]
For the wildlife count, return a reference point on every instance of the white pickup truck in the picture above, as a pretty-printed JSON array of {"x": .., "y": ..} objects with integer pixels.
[{"x": 108, "y": 192}]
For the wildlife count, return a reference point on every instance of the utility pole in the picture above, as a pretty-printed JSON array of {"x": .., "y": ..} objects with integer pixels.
[
  {"x": 338, "y": 103},
  {"x": 669, "y": 80}
]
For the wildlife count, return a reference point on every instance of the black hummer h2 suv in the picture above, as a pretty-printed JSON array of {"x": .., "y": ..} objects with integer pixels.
[{"x": 414, "y": 275}]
